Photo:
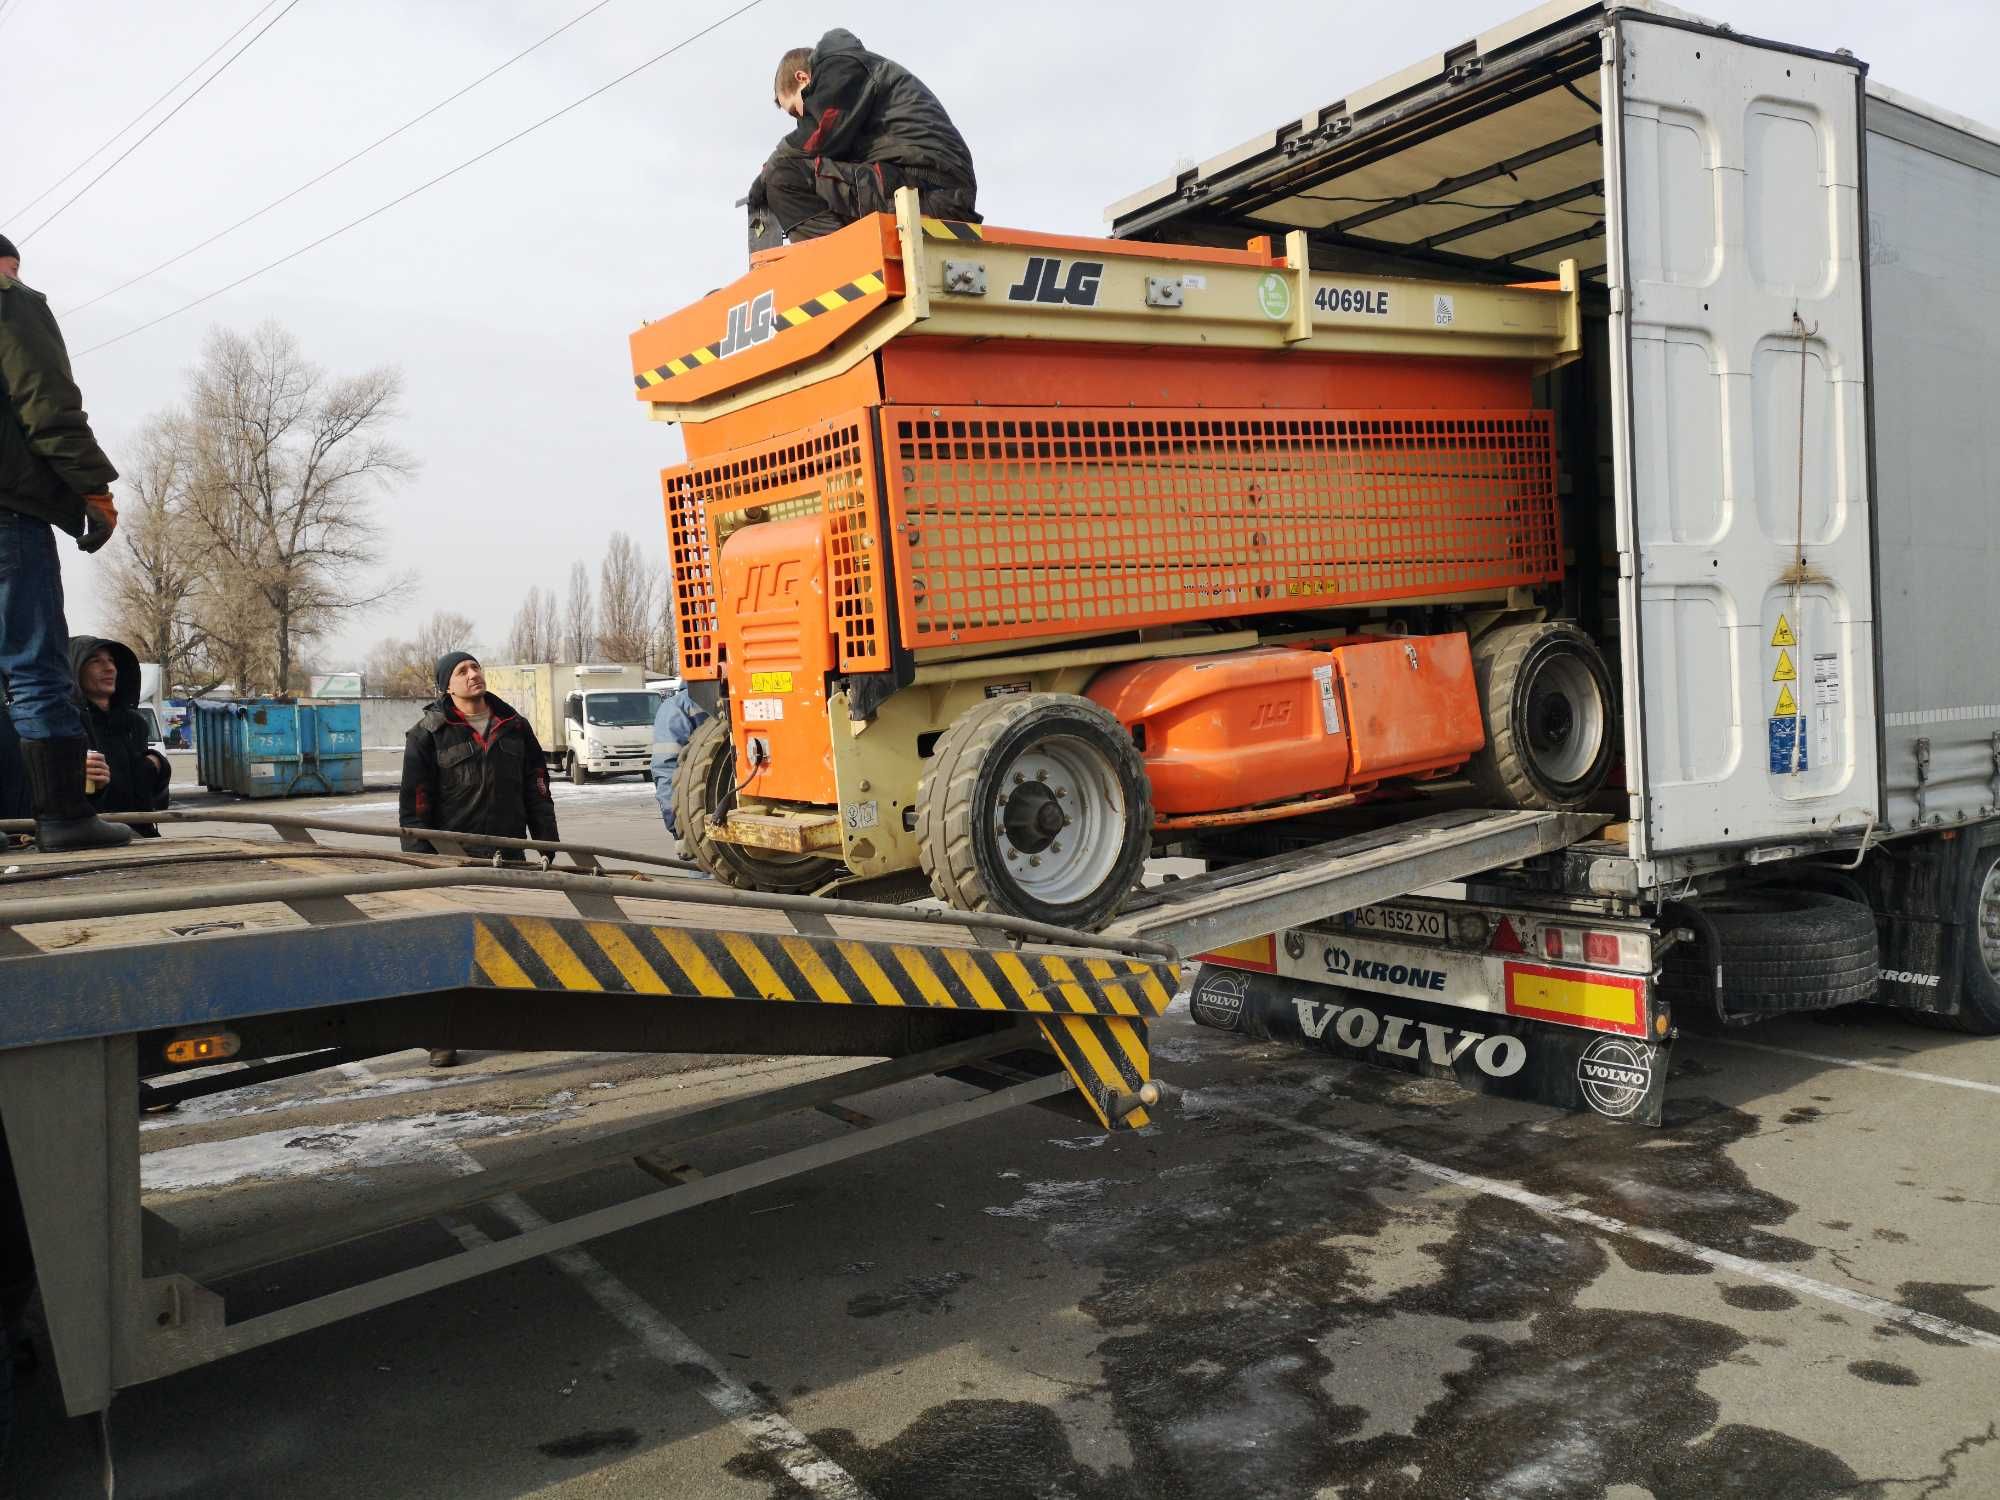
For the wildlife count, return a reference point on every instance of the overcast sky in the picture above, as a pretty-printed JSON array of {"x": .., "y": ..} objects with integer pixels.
[{"x": 506, "y": 294}]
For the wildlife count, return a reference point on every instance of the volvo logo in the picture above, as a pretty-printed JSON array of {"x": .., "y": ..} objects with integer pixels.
[{"x": 1615, "y": 1075}]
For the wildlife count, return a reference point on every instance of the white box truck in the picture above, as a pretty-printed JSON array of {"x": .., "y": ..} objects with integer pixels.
[
  {"x": 1780, "y": 521},
  {"x": 592, "y": 719}
]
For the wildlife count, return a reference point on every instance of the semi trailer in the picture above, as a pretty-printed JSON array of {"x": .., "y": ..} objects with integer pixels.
[{"x": 1777, "y": 457}]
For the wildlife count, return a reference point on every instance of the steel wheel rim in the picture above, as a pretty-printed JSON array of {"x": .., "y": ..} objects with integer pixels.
[
  {"x": 1565, "y": 719},
  {"x": 1989, "y": 921},
  {"x": 1061, "y": 862}
]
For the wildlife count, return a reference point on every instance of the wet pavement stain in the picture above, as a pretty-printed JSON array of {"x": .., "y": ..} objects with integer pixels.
[
  {"x": 924, "y": 1294},
  {"x": 590, "y": 1444},
  {"x": 1244, "y": 1333},
  {"x": 1683, "y": 1181},
  {"x": 968, "y": 1450},
  {"x": 1882, "y": 1372},
  {"x": 1760, "y": 1298},
  {"x": 1951, "y": 1301}
]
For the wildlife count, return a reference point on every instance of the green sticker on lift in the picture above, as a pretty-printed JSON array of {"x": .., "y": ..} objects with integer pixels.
[{"x": 1274, "y": 295}]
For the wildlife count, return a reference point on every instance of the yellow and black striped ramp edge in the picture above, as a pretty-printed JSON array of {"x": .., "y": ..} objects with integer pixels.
[
  {"x": 951, "y": 229},
  {"x": 1092, "y": 1011},
  {"x": 864, "y": 285}
]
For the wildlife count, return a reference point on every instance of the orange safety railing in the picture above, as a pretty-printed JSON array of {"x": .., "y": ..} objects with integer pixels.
[
  {"x": 827, "y": 469},
  {"x": 1010, "y": 523}
]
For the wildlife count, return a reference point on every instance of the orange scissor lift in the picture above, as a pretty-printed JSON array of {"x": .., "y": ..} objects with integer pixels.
[{"x": 1018, "y": 554}]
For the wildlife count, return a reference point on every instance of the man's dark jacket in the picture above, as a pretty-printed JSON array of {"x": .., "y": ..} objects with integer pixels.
[
  {"x": 456, "y": 782},
  {"x": 138, "y": 778},
  {"x": 48, "y": 459},
  {"x": 861, "y": 107}
]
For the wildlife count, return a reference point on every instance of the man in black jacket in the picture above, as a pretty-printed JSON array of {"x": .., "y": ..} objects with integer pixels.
[
  {"x": 472, "y": 765},
  {"x": 135, "y": 776},
  {"x": 867, "y": 126},
  {"x": 52, "y": 473}
]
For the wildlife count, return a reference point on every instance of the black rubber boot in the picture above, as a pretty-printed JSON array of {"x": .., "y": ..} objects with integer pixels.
[{"x": 63, "y": 817}]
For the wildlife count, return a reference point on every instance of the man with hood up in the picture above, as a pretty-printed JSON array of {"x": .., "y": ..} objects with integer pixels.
[
  {"x": 867, "y": 126},
  {"x": 107, "y": 695}
]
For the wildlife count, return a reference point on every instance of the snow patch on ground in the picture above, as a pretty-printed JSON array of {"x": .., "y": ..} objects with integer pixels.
[
  {"x": 1045, "y": 1200},
  {"x": 332, "y": 1150}
]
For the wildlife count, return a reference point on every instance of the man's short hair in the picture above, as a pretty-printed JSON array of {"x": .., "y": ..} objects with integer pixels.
[{"x": 793, "y": 63}]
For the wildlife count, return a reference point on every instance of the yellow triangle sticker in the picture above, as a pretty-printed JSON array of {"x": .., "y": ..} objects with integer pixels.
[
  {"x": 1788, "y": 706},
  {"x": 1785, "y": 672},
  {"x": 1783, "y": 636}
]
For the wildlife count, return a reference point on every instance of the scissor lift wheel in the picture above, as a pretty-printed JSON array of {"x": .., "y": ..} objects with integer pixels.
[
  {"x": 705, "y": 790},
  {"x": 1550, "y": 717},
  {"x": 1037, "y": 805}
]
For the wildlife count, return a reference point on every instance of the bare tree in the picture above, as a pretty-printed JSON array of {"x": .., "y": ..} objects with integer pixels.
[
  {"x": 579, "y": 636},
  {"x": 625, "y": 589},
  {"x": 404, "y": 669},
  {"x": 157, "y": 572},
  {"x": 537, "y": 632},
  {"x": 290, "y": 460}
]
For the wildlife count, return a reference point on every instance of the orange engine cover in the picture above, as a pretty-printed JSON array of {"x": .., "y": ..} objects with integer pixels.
[
  {"x": 780, "y": 649},
  {"x": 1270, "y": 725}
]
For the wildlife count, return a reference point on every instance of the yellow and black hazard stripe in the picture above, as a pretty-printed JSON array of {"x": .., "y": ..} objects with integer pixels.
[
  {"x": 1107, "y": 1057},
  {"x": 952, "y": 229},
  {"x": 864, "y": 285},
  {"x": 559, "y": 953}
]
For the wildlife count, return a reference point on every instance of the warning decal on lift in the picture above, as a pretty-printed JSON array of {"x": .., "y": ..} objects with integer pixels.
[
  {"x": 1784, "y": 671},
  {"x": 1788, "y": 706},
  {"x": 1783, "y": 636},
  {"x": 1329, "y": 710}
]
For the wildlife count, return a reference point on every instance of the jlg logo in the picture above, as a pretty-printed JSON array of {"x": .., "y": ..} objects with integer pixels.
[
  {"x": 749, "y": 323},
  {"x": 767, "y": 585},
  {"x": 1272, "y": 715},
  {"x": 1044, "y": 282}
]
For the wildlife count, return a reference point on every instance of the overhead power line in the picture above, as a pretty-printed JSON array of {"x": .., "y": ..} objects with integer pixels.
[
  {"x": 119, "y": 134},
  {"x": 339, "y": 165},
  {"x": 154, "y": 129},
  {"x": 402, "y": 198}
]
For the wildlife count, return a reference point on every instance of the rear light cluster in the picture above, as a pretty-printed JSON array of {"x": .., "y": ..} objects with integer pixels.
[
  {"x": 1583, "y": 947},
  {"x": 1571, "y": 945}
]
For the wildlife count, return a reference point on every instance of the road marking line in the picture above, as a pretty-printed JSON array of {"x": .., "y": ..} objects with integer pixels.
[
  {"x": 1866, "y": 1067},
  {"x": 768, "y": 1431},
  {"x": 1720, "y": 1260}
]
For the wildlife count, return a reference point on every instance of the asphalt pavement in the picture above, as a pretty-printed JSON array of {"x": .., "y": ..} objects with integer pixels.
[{"x": 1308, "y": 1278}]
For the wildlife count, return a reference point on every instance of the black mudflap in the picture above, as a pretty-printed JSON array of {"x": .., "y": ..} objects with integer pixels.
[{"x": 1566, "y": 1067}]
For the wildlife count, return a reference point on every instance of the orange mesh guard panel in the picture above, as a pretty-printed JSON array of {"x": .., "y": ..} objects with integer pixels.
[
  {"x": 1023, "y": 522},
  {"x": 827, "y": 470}
]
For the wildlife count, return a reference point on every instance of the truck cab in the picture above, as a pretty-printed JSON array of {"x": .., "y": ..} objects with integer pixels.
[{"x": 609, "y": 731}]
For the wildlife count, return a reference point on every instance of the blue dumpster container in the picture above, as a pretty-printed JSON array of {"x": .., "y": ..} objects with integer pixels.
[{"x": 263, "y": 747}]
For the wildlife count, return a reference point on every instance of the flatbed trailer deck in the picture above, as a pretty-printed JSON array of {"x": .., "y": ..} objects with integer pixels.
[{"x": 170, "y": 956}]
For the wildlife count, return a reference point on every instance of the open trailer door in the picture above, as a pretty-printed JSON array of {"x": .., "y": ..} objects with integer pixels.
[{"x": 1740, "y": 436}]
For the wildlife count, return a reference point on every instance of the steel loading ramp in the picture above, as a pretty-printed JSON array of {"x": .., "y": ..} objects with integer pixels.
[{"x": 1310, "y": 885}]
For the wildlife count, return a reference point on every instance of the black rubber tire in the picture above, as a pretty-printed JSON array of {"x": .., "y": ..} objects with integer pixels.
[
  {"x": 961, "y": 854},
  {"x": 1978, "y": 1013},
  {"x": 1783, "y": 950},
  {"x": 704, "y": 788},
  {"x": 579, "y": 774},
  {"x": 1508, "y": 665}
]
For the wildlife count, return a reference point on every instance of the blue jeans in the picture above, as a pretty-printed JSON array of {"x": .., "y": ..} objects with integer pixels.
[{"x": 34, "y": 638}]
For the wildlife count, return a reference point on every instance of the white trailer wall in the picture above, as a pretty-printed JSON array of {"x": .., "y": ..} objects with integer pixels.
[{"x": 1933, "y": 191}]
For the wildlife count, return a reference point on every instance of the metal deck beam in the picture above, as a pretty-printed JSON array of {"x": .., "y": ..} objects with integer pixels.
[{"x": 1254, "y": 900}]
